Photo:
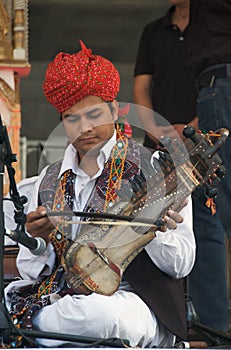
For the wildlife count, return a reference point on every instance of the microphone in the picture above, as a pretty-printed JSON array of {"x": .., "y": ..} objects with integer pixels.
[{"x": 37, "y": 245}]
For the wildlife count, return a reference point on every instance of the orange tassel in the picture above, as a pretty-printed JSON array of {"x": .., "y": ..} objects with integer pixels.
[{"x": 211, "y": 204}]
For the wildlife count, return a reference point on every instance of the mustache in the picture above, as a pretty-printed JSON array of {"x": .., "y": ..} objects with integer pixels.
[{"x": 85, "y": 136}]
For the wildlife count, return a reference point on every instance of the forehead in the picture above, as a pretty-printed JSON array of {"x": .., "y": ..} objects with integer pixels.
[{"x": 86, "y": 104}]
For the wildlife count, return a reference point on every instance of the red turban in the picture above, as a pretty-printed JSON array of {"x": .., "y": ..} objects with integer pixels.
[{"x": 69, "y": 78}]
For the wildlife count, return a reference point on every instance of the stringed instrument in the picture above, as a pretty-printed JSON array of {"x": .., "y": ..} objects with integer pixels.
[{"x": 101, "y": 253}]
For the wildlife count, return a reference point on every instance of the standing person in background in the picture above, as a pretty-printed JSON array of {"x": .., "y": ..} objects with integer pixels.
[
  {"x": 210, "y": 62},
  {"x": 164, "y": 83},
  {"x": 162, "y": 79},
  {"x": 209, "y": 54}
]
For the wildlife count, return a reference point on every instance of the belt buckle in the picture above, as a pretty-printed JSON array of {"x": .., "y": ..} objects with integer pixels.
[{"x": 212, "y": 81}]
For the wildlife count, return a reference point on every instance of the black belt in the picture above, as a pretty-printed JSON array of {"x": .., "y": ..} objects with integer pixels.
[{"x": 208, "y": 76}]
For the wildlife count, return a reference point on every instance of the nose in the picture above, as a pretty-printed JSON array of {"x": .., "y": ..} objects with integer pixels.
[{"x": 85, "y": 125}]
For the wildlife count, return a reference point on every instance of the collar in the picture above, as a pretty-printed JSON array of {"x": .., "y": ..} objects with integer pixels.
[{"x": 70, "y": 159}]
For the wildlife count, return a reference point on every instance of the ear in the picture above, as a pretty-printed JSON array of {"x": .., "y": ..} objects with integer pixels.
[{"x": 114, "y": 110}]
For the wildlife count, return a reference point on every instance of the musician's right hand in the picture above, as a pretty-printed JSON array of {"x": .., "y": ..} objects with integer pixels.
[
  {"x": 38, "y": 224},
  {"x": 172, "y": 218}
]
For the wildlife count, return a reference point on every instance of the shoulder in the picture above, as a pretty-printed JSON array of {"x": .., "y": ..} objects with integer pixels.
[
  {"x": 31, "y": 183},
  {"x": 28, "y": 182},
  {"x": 157, "y": 25},
  {"x": 154, "y": 32}
]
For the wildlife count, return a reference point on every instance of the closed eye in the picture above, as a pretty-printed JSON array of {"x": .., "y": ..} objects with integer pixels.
[
  {"x": 94, "y": 113},
  {"x": 71, "y": 118},
  {"x": 91, "y": 114}
]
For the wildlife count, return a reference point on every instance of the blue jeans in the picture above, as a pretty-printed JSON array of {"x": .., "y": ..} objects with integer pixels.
[
  {"x": 208, "y": 280},
  {"x": 214, "y": 112}
]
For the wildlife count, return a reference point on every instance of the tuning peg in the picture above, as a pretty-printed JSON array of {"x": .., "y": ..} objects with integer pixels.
[
  {"x": 190, "y": 133},
  {"x": 211, "y": 192},
  {"x": 221, "y": 171},
  {"x": 212, "y": 150}
]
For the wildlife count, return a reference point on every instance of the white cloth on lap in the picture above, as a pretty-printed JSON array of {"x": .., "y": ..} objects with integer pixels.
[{"x": 122, "y": 315}]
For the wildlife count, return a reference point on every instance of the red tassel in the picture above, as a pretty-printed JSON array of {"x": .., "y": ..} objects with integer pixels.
[
  {"x": 87, "y": 51},
  {"x": 127, "y": 129},
  {"x": 124, "y": 110}
]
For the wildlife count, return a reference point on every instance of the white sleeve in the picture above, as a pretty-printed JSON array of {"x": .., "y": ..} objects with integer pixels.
[
  {"x": 27, "y": 188},
  {"x": 174, "y": 251},
  {"x": 29, "y": 265}
]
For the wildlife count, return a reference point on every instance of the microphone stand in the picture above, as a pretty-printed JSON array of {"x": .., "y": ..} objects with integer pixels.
[
  {"x": 4, "y": 325},
  {"x": 7, "y": 328},
  {"x": 6, "y": 158}
]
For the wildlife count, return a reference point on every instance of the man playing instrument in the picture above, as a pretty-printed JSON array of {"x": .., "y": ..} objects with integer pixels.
[{"x": 148, "y": 307}]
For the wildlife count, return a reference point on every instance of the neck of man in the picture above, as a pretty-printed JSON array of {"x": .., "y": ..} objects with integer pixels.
[
  {"x": 88, "y": 163},
  {"x": 180, "y": 16}
]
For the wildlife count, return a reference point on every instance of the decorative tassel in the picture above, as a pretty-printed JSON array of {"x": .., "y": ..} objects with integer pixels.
[
  {"x": 211, "y": 204},
  {"x": 87, "y": 51},
  {"x": 123, "y": 123}
]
